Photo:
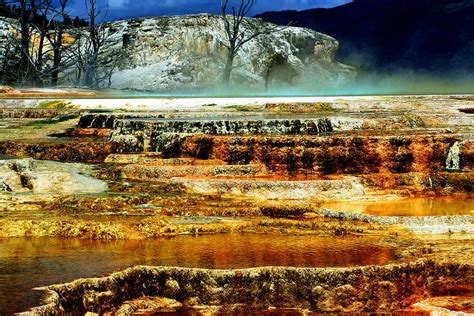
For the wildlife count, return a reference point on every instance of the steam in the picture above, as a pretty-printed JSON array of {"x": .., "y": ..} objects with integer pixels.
[{"x": 364, "y": 85}]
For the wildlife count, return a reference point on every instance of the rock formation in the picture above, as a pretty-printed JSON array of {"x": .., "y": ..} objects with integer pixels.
[
  {"x": 188, "y": 52},
  {"x": 294, "y": 166},
  {"x": 185, "y": 53},
  {"x": 350, "y": 290},
  {"x": 28, "y": 175}
]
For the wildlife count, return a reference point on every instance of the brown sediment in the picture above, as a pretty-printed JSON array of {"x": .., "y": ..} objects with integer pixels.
[
  {"x": 158, "y": 173},
  {"x": 89, "y": 132},
  {"x": 111, "y": 224},
  {"x": 460, "y": 299},
  {"x": 21, "y": 94},
  {"x": 34, "y": 113},
  {"x": 91, "y": 151},
  {"x": 307, "y": 107},
  {"x": 467, "y": 110},
  {"x": 422, "y": 184},
  {"x": 325, "y": 155},
  {"x": 366, "y": 289}
]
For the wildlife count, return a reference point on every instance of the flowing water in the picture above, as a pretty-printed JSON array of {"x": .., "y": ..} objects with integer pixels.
[
  {"x": 27, "y": 263},
  {"x": 408, "y": 207}
]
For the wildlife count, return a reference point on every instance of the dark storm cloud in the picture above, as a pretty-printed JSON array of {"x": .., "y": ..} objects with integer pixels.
[{"x": 117, "y": 9}]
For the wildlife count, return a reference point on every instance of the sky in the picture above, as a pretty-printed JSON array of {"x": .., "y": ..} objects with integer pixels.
[{"x": 117, "y": 9}]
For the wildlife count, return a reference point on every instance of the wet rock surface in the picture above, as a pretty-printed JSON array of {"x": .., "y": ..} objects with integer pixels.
[
  {"x": 419, "y": 224},
  {"x": 322, "y": 155},
  {"x": 368, "y": 289},
  {"x": 148, "y": 133}
]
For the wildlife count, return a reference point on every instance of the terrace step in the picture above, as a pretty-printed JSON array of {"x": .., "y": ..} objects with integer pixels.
[
  {"x": 347, "y": 187},
  {"x": 156, "y": 159},
  {"x": 157, "y": 173},
  {"x": 325, "y": 155}
]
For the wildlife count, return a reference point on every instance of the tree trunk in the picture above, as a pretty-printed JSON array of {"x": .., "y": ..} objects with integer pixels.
[
  {"x": 55, "y": 73},
  {"x": 37, "y": 80},
  {"x": 57, "y": 58},
  {"x": 229, "y": 65},
  {"x": 25, "y": 39}
]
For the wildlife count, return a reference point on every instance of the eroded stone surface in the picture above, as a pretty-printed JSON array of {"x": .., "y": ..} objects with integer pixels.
[
  {"x": 367, "y": 289},
  {"x": 324, "y": 155},
  {"x": 188, "y": 52},
  {"x": 28, "y": 175}
]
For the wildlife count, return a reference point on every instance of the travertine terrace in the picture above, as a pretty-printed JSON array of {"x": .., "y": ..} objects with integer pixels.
[{"x": 161, "y": 168}]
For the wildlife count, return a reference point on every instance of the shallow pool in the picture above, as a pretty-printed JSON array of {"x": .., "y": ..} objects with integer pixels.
[
  {"x": 408, "y": 207},
  {"x": 27, "y": 263}
]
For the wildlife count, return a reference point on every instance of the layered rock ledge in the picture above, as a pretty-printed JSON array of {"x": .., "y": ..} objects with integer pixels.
[
  {"x": 274, "y": 189},
  {"x": 417, "y": 224},
  {"x": 323, "y": 155},
  {"x": 389, "y": 288}
]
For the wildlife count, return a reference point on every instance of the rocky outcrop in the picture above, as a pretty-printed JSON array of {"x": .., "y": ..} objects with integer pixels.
[
  {"x": 352, "y": 290},
  {"x": 28, "y": 175},
  {"x": 183, "y": 53},
  {"x": 188, "y": 53},
  {"x": 150, "y": 134}
]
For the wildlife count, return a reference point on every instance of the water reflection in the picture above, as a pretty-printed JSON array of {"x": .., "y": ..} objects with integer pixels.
[
  {"x": 409, "y": 207},
  {"x": 27, "y": 263}
]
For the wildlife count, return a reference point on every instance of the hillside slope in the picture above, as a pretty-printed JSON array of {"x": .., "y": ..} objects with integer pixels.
[
  {"x": 187, "y": 53},
  {"x": 431, "y": 37}
]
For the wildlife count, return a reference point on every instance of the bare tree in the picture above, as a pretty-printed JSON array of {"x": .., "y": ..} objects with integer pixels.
[
  {"x": 39, "y": 36},
  {"x": 237, "y": 30},
  {"x": 94, "y": 66},
  {"x": 19, "y": 42},
  {"x": 55, "y": 36},
  {"x": 40, "y": 44},
  {"x": 28, "y": 9},
  {"x": 9, "y": 58},
  {"x": 94, "y": 44}
]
